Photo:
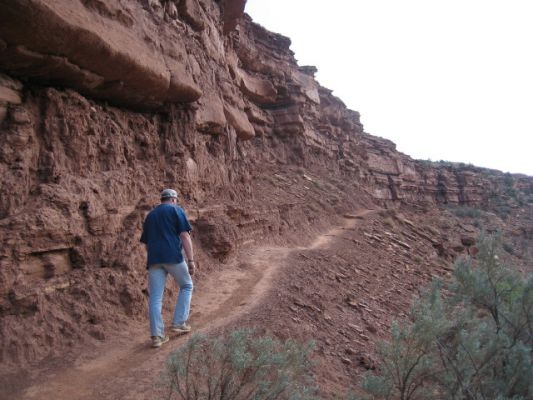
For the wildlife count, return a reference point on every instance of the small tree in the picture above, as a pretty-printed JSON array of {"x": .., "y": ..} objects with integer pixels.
[
  {"x": 240, "y": 366},
  {"x": 475, "y": 344}
]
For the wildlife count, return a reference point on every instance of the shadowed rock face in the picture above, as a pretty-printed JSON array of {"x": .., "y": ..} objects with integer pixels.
[{"x": 104, "y": 103}]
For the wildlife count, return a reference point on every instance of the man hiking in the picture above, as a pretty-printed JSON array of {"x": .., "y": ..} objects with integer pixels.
[{"x": 166, "y": 232}]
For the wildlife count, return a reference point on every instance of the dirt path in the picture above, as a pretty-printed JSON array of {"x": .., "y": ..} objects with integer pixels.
[{"x": 127, "y": 368}]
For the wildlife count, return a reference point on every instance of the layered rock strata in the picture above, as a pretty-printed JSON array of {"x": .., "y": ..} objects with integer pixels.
[{"x": 104, "y": 103}]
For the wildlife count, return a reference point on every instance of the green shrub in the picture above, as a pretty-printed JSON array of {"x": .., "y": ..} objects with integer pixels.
[
  {"x": 475, "y": 343},
  {"x": 240, "y": 366},
  {"x": 464, "y": 211},
  {"x": 503, "y": 210}
]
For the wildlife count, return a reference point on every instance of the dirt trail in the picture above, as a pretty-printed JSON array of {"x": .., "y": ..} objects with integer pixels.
[{"x": 127, "y": 368}]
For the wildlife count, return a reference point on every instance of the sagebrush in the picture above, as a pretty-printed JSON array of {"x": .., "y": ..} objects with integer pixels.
[
  {"x": 473, "y": 342},
  {"x": 240, "y": 366}
]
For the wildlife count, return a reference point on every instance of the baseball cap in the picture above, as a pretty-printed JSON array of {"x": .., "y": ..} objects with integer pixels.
[{"x": 169, "y": 193}]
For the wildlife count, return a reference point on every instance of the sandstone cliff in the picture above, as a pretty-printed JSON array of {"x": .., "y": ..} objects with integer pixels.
[{"x": 105, "y": 102}]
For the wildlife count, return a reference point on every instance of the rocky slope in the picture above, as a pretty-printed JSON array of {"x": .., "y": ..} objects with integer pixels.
[{"x": 104, "y": 103}]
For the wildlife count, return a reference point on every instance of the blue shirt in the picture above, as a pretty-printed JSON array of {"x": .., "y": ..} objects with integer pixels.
[{"x": 161, "y": 234}]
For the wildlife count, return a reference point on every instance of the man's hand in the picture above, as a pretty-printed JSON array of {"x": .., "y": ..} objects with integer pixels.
[
  {"x": 187, "y": 247},
  {"x": 192, "y": 267}
]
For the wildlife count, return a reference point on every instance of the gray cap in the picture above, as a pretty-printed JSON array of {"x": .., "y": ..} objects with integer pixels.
[{"x": 169, "y": 193}]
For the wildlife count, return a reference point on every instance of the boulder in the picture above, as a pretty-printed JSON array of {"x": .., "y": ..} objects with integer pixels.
[
  {"x": 240, "y": 122},
  {"x": 10, "y": 93},
  {"x": 308, "y": 85},
  {"x": 210, "y": 117},
  {"x": 192, "y": 13},
  {"x": 182, "y": 88},
  {"x": 288, "y": 121},
  {"x": 260, "y": 91}
]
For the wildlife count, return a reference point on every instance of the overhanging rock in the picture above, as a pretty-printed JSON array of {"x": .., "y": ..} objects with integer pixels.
[{"x": 100, "y": 53}]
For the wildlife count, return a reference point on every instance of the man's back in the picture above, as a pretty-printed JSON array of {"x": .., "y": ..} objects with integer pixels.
[{"x": 161, "y": 231}]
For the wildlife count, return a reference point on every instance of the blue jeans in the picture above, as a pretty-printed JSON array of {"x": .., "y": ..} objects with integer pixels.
[{"x": 157, "y": 275}]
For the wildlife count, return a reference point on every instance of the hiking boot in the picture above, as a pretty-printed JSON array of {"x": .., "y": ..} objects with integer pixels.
[
  {"x": 183, "y": 328},
  {"x": 157, "y": 341}
]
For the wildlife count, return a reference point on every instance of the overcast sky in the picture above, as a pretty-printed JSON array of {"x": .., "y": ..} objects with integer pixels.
[{"x": 443, "y": 79}]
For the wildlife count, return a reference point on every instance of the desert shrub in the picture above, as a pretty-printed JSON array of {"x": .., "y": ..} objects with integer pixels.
[
  {"x": 464, "y": 211},
  {"x": 240, "y": 366},
  {"x": 503, "y": 210},
  {"x": 508, "y": 183},
  {"x": 474, "y": 343},
  {"x": 408, "y": 359}
]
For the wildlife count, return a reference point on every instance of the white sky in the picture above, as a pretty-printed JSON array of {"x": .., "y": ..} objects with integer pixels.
[{"x": 443, "y": 79}]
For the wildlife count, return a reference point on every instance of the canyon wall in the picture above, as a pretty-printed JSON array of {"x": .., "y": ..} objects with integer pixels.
[{"x": 103, "y": 103}]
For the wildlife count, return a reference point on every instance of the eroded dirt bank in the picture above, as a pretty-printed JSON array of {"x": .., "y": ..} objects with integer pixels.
[
  {"x": 340, "y": 288},
  {"x": 126, "y": 367}
]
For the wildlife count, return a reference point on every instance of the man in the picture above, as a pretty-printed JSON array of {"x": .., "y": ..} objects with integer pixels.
[{"x": 166, "y": 232}]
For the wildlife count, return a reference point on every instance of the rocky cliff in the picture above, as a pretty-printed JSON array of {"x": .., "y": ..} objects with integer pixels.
[{"x": 105, "y": 102}]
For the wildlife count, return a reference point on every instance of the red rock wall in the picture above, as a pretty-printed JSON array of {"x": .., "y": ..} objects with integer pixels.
[{"x": 122, "y": 98}]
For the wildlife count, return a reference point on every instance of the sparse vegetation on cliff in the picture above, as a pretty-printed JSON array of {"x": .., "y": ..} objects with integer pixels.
[
  {"x": 465, "y": 211},
  {"x": 474, "y": 342}
]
